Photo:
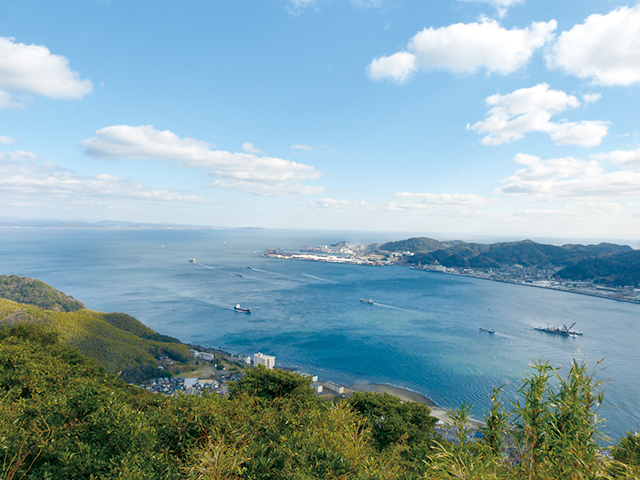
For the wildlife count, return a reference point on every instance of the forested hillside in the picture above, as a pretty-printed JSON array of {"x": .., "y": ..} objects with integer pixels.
[
  {"x": 118, "y": 341},
  {"x": 115, "y": 344},
  {"x": 613, "y": 270},
  {"x": 34, "y": 292},
  {"x": 605, "y": 263}
]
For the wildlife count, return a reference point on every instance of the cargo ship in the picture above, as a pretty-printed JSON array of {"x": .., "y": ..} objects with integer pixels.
[
  {"x": 238, "y": 308},
  {"x": 564, "y": 331}
]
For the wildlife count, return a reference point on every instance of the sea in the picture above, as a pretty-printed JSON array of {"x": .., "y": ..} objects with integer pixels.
[{"x": 421, "y": 333}]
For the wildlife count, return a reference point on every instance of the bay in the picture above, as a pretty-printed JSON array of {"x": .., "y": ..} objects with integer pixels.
[{"x": 422, "y": 332}]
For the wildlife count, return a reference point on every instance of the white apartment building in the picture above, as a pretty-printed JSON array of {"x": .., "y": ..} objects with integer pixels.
[{"x": 262, "y": 359}]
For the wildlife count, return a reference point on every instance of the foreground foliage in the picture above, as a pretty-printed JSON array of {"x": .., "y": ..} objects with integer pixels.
[{"x": 62, "y": 416}]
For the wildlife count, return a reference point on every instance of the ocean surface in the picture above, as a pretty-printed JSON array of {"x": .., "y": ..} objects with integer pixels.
[{"x": 422, "y": 333}]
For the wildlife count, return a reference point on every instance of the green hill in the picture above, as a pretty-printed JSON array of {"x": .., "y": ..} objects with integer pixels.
[
  {"x": 116, "y": 340},
  {"x": 415, "y": 244},
  {"x": 614, "y": 270},
  {"x": 526, "y": 253},
  {"x": 34, "y": 292},
  {"x": 115, "y": 344}
]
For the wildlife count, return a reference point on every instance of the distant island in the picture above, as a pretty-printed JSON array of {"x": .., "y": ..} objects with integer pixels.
[{"x": 605, "y": 270}]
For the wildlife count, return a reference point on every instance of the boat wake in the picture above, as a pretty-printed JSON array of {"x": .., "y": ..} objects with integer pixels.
[
  {"x": 207, "y": 266},
  {"x": 318, "y": 278},
  {"x": 384, "y": 305}
]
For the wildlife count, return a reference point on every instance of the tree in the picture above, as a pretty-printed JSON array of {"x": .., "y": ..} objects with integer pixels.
[{"x": 266, "y": 384}]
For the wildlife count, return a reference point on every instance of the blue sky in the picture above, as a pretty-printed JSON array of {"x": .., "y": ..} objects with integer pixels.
[{"x": 514, "y": 118}]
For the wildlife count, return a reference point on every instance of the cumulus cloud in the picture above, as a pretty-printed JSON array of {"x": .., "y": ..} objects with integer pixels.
[
  {"x": 24, "y": 177},
  {"x": 568, "y": 178},
  {"x": 236, "y": 170},
  {"x": 33, "y": 69},
  {"x": 465, "y": 48},
  {"x": 605, "y": 48},
  {"x": 399, "y": 67},
  {"x": 627, "y": 159},
  {"x": 251, "y": 148},
  {"x": 4, "y": 140},
  {"x": 513, "y": 115}
]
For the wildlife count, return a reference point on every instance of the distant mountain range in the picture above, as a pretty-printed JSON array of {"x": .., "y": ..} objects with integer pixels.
[{"x": 605, "y": 263}]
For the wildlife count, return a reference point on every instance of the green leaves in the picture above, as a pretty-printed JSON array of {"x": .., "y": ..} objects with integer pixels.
[{"x": 62, "y": 417}]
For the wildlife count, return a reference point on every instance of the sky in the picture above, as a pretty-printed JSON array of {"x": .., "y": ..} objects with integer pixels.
[{"x": 447, "y": 118}]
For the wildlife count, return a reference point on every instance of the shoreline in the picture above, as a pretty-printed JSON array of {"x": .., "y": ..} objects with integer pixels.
[
  {"x": 406, "y": 395},
  {"x": 346, "y": 261},
  {"x": 557, "y": 289}
]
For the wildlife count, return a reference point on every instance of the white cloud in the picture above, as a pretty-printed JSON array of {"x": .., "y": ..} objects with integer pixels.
[
  {"x": 302, "y": 148},
  {"x": 583, "y": 133},
  {"x": 301, "y": 4},
  {"x": 465, "y": 48},
  {"x": 443, "y": 198},
  {"x": 251, "y": 148},
  {"x": 627, "y": 159},
  {"x": 526, "y": 110},
  {"x": 298, "y": 6},
  {"x": 6, "y": 101},
  {"x": 4, "y": 140},
  {"x": 27, "y": 180},
  {"x": 605, "y": 48},
  {"x": 568, "y": 179},
  {"x": 332, "y": 203},
  {"x": 445, "y": 204},
  {"x": 399, "y": 67},
  {"x": 236, "y": 169},
  {"x": 591, "y": 97},
  {"x": 33, "y": 69},
  {"x": 501, "y": 5},
  {"x": 268, "y": 189}
]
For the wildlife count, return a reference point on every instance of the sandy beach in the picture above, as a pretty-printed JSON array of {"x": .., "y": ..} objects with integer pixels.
[
  {"x": 408, "y": 396},
  {"x": 404, "y": 395}
]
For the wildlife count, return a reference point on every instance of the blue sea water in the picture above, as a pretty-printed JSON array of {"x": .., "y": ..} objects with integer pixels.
[{"x": 421, "y": 333}]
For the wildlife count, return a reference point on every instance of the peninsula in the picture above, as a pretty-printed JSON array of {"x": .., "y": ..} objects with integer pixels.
[{"x": 605, "y": 270}]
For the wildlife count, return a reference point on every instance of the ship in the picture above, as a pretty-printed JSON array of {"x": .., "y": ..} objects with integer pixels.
[
  {"x": 238, "y": 308},
  {"x": 370, "y": 301},
  {"x": 192, "y": 260},
  {"x": 565, "y": 331},
  {"x": 492, "y": 331}
]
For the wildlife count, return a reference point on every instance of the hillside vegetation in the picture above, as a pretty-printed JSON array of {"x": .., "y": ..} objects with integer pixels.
[
  {"x": 34, "y": 292},
  {"x": 62, "y": 417},
  {"x": 103, "y": 337},
  {"x": 119, "y": 342},
  {"x": 613, "y": 270},
  {"x": 605, "y": 263}
]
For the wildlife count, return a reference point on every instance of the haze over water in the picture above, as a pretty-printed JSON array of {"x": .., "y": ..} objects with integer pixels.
[{"x": 421, "y": 333}]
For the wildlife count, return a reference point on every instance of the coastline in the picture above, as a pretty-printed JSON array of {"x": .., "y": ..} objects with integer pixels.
[
  {"x": 558, "y": 289},
  {"x": 357, "y": 261},
  {"x": 407, "y": 395}
]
